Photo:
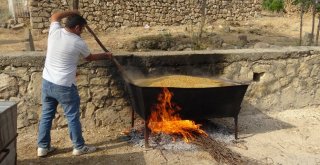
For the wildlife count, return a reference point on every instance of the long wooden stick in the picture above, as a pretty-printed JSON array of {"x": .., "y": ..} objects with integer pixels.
[
  {"x": 120, "y": 68},
  {"x": 106, "y": 50}
]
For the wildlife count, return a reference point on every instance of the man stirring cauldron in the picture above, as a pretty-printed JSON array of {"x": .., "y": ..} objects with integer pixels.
[{"x": 65, "y": 47}]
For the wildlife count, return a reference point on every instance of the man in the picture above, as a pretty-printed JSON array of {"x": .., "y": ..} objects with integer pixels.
[{"x": 65, "y": 46}]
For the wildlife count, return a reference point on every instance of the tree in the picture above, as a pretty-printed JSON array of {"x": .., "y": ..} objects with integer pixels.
[
  {"x": 317, "y": 36},
  {"x": 304, "y": 4}
]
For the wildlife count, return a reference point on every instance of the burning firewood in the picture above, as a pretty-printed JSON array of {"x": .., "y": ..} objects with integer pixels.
[
  {"x": 164, "y": 119},
  {"x": 219, "y": 151}
]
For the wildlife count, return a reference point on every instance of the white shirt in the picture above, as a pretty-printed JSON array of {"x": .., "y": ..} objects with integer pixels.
[{"x": 64, "y": 50}]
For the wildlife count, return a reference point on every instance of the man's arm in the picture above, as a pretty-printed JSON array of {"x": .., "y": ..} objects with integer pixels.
[
  {"x": 99, "y": 56},
  {"x": 56, "y": 17}
]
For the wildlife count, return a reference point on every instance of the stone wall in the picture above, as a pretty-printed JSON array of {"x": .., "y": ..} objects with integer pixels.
[
  {"x": 280, "y": 79},
  {"x": 103, "y": 14},
  {"x": 99, "y": 84}
]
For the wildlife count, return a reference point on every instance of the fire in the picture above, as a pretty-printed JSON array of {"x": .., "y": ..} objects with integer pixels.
[{"x": 164, "y": 119}]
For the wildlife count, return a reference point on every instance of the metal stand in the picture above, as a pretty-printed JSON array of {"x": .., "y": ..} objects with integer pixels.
[
  {"x": 146, "y": 134},
  {"x": 236, "y": 127},
  {"x": 132, "y": 119},
  {"x": 146, "y": 130}
]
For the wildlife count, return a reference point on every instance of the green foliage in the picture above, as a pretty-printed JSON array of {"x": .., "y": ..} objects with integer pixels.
[
  {"x": 174, "y": 43},
  {"x": 306, "y": 4},
  {"x": 4, "y": 15},
  {"x": 273, "y": 5},
  {"x": 318, "y": 7}
]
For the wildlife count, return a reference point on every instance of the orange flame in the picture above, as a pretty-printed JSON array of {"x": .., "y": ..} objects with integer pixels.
[{"x": 164, "y": 119}]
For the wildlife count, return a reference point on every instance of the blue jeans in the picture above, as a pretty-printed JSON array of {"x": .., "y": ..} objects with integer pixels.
[{"x": 69, "y": 98}]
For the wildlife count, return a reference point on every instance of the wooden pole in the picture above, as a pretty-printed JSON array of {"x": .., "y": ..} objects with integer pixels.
[
  {"x": 120, "y": 68},
  {"x": 75, "y": 4}
]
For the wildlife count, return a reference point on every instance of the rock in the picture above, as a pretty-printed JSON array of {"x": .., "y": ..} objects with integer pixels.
[
  {"x": 99, "y": 81},
  {"x": 45, "y": 31},
  {"x": 32, "y": 115},
  {"x": 84, "y": 94},
  {"x": 82, "y": 80},
  {"x": 227, "y": 46},
  {"x": 3, "y": 25},
  {"x": 257, "y": 14},
  {"x": 227, "y": 29},
  {"x": 216, "y": 42},
  {"x": 8, "y": 86},
  {"x": 261, "y": 45},
  {"x": 108, "y": 117},
  {"x": 146, "y": 26},
  {"x": 243, "y": 39},
  {"x": 187, "y": 49},
  {"x": 99, "y": 95},
  {"x": 18, "y": 26},
  {"x": 20, "y": 20},
  {"x": 22, "y": 121},
  {"x": 11, "y": 21},
  {"x": 307, "y": 39},
  {"x": 34, "y": 87}
]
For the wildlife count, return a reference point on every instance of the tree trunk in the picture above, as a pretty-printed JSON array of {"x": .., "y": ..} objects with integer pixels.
[
  {"x": 317, "y": 36},
  {"x": 313, "y": 19},
  {"x": 203, "y": 17},
  {"x": 301, "y": 22}
]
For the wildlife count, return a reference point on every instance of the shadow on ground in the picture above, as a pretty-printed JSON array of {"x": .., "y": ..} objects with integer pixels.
[
  {"x": 4, "y": 42},
  {"x": 251, "y": 121},
  {"x": 103, "y": 155},
  {"x": 135, "y": 158}
]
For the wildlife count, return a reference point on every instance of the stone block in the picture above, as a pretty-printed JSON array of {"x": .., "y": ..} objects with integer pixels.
[
  {"x": 99, "y": 95},
  {"x": 82, "y": 80},
  {"x": 89, "y": 110},
  {"x": 99, "y": 81},
  {"x": 8, "y": 86},
  {"x": 36, "y": 19},
  {"x": 44, "y": 14},
  {"x": 34, "y": 87},
  {"x": 84, "y": 94}
]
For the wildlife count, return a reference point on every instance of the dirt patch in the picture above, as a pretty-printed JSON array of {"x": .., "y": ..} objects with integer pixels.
[
  {"x": 287, "y": 137},
  {"x": 4, "y": 12},
  {"x": 274, "y": 30},
  {"x": 114, "y": 148}
]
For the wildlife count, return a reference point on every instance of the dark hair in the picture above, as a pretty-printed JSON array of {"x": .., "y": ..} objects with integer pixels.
[{"x": 74, "y": 20}]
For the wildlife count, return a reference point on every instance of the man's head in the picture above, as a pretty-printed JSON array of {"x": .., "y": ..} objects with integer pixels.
[{"x": 75, "y": 23}]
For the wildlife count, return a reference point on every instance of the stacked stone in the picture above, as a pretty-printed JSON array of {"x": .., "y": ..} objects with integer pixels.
[
  {"x": 280, "y": 79},
  {"x": 102, "y": 95},
  {"x": 103, "y": 14},
  {"x": 41, "y": 10}
]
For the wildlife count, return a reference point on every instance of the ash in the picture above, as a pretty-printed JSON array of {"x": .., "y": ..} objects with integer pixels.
[
  {"x": 216, "y": 131},
  {"x": 160, "y": 141},
  {"x": 219, "y": 132}
]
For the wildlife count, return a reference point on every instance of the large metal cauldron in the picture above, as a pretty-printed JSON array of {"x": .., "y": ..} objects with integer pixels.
[{"x": 195, "y": 103}]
